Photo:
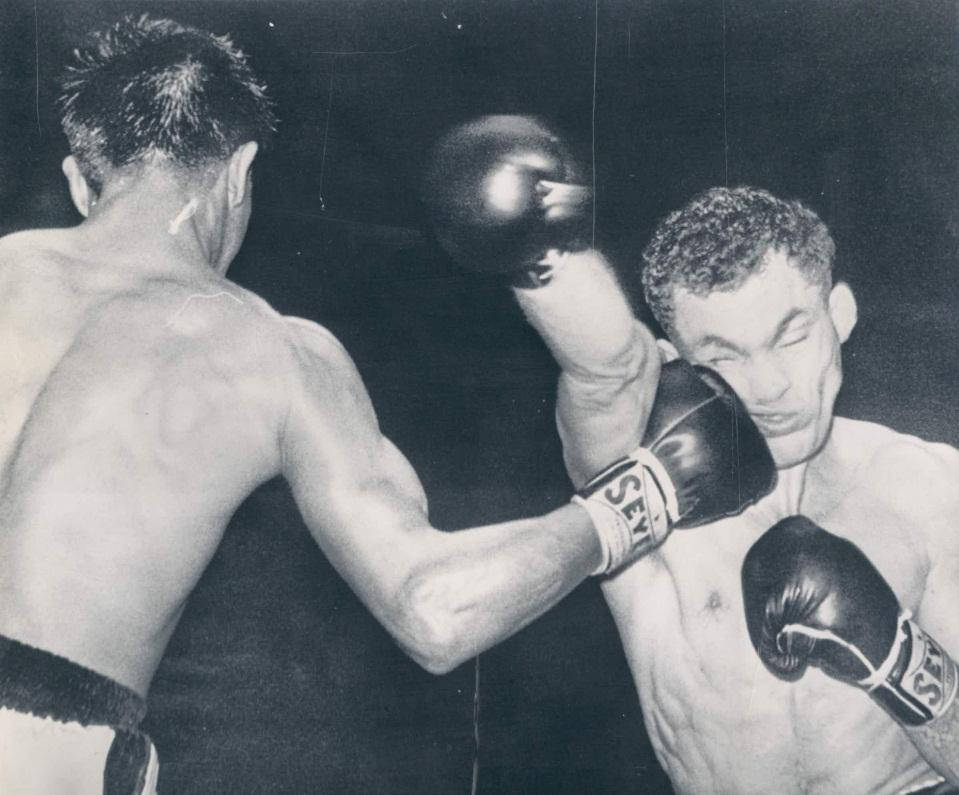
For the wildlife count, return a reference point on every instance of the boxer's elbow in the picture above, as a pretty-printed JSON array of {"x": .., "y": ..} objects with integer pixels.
[
  {"x": 431, "y": 628},
  {"x": 434, "y": 660}
]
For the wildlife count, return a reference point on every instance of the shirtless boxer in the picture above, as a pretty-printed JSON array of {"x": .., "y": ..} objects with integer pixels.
[
  {"x": 143, "y": 396},
  {"x": 741, "y": 282}
]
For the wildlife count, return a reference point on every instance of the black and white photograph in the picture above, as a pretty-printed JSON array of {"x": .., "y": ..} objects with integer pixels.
[{"x": 479, "y": 397}]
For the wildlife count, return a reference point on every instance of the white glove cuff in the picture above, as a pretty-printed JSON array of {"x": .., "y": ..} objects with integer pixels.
[{"x": 632, "y": 510}]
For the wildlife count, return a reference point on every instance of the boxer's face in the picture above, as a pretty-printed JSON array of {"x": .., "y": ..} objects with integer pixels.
[{"x": 776, "y": 340}]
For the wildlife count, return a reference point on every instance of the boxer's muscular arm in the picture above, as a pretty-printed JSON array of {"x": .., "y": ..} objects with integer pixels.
[
  {"x": 938, "y": 478},
  {"x": 507, "y": 196},
  {"x": 609, "y": 361},
  {"x": 443, "y": 596}
]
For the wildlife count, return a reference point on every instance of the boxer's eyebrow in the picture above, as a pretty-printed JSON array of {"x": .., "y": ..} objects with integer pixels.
[
  {"x": 784, "y": 324},
  {"x": 715, "y": 341}
]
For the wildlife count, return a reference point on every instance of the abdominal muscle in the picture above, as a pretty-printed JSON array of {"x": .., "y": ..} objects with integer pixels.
[{"x": 718, "y": 720}]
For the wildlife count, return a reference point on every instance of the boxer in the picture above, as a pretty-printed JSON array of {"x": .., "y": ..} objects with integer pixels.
[
  {"x": 741, "y": 281},
  {"x": 143, "y": 396}
]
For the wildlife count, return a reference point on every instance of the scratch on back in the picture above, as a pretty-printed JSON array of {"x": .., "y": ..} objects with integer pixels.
[{"x": 198, "y": 296}]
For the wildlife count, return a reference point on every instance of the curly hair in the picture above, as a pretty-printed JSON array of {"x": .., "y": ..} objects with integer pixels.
[
  {"x": 721, "y": 237},
  {"x": 148, "y": 89}
]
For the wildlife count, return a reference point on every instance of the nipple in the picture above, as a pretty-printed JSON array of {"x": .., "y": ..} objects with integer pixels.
[{"x": 715, "y": 602}]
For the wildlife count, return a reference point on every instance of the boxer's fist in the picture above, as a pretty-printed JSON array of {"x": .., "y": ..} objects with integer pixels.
[
  {"x": 716, "y": 458},
  {"x": 701, "y": 459},
  {"x": 812, "y": 598},
  {"x": 504, "y": 190}
]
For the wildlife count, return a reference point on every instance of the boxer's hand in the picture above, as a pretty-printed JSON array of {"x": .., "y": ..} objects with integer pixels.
[
  {"x": 701, "y": 459},
  {"x": 503, "y": 191},
  {"x": 812, "y": 598}
]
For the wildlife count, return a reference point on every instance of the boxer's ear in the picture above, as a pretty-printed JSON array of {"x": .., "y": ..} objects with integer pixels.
[
  {"x": 81, "y": 193},
  {"x": 843, "y": 310},
  {"x": 239, "y": 183},
  {"x": 667, "y": 351}
]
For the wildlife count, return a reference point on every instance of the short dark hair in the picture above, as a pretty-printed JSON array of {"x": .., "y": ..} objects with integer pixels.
[
  {"x": 721, "y": 237},
  {"x": 153, "y": 88}
]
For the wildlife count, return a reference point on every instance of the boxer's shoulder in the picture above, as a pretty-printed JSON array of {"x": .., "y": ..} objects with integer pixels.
[
  {"x": 898, "y": 469},
  {"x": 316, "y": 350},
  {"x": 330, "y": 422},
  {"x": 34, "y": 247},
  {"x": 323, "y": 374},
  {"x": 294, "y": 357},
  {"x": 310, "y": 336},
  {"x": 860, "y": 440},
  {"x": 26, "y": 240}
]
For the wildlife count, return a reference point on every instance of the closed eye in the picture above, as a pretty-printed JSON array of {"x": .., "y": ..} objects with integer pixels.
[
  {"x": 715, "y": 361},
  {"x": 793, "y": 340}
]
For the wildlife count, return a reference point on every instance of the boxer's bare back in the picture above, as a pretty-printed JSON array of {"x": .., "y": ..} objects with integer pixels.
[{"x": 141, "y": 403}]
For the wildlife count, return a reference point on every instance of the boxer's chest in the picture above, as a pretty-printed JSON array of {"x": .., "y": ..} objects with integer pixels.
[
  {"x": 706, "y": 694},
  {"x": 684, "y": 609},
  {"x": 692, "y": 593},
  {"x": 883, "y": 529},
  {"x": 699, "y": 570}
]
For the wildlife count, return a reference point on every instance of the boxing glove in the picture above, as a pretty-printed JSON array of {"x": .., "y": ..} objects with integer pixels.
[
  {"x": 501, "y": 192},
  {"x": 812, "y": 598},
  {"x": 701, "y": 459}
]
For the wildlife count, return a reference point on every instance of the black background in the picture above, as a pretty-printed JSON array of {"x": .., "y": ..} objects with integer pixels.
[{"x": 277, "y": 679}]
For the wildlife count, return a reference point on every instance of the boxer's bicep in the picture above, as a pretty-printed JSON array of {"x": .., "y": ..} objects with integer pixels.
[
  {"x": 928, "y": 479},
  {"x": 936, "y": 677},
  {"x": 937, "y": 611}
]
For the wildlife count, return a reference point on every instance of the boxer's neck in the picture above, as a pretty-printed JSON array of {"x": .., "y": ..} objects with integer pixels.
[
  {"x": 154, "y": 219},
  {"x": 786, "y": 499}
]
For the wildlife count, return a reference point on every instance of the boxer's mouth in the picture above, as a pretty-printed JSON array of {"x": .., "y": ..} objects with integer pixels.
[{"x": 773, "y": 424}]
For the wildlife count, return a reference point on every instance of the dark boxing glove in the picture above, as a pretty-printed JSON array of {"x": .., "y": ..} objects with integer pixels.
[
  {"x": 701, "y": 459},
  {"x": 501, "y": 192},
  {"x": 812, "y": 598}
]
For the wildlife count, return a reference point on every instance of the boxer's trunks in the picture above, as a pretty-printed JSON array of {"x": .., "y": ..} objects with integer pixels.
[{"x": 67, "y": 729}]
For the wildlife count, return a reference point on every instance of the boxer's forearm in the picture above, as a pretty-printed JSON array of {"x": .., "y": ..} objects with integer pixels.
[
  {"x": 584, "y": 318},
  {"x": 920, "y": 693},
  {"x": 932, "y": 678},
  {"x": 481, "y": 585},
  {"x": 938, "y": 742},
  {"x": 609, "y": 360},
  {"x": 600, "y": 421}
]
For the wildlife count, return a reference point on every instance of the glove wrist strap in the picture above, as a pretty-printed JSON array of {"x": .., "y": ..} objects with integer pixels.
[
  {"x": 918, "y": 680},
  {"x": 632, "y": 505}
]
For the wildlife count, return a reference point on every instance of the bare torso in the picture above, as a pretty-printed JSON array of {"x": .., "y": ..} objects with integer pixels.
[
  {"x": 138, "y": 407},
  {"x": 719, "y": 721}
]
